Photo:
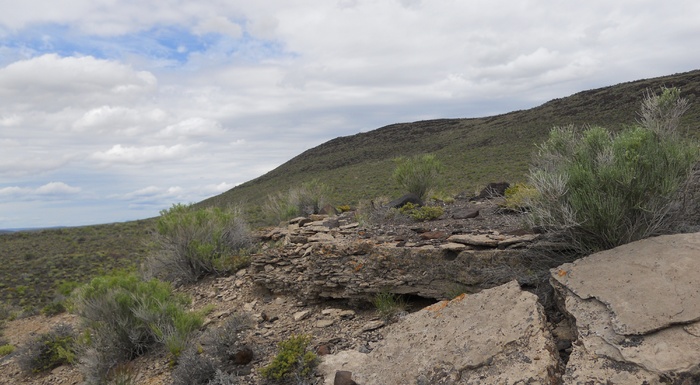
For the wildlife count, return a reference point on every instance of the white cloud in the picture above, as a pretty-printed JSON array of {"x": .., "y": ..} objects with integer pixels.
[
  {"x": 141, "y": 155},
  {"x": 219, "y": 24},
  {"x": 51, "y": 82},
  {"x": 192, "y": 127},
  {"x": 209, "y": 94},
  {"x": 57, "y": 188},
  {"x": 51, "y": 190},
  {"x": 124, "y": 118}
]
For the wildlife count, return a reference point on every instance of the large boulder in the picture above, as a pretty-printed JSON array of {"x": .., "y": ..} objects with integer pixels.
[
  {"x": 497, "y": 336},
  {"x": 637, "y": 311}
]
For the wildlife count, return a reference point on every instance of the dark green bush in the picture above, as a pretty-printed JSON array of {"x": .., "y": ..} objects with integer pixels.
[
  {"x": 418, "y": 174},
  {"x": 293, "y": 361},
  {"x": 193, "y": 243},
  {"x": 606, "y": 189},
  {"x": 49, "y": 350},
  {"x": 126, "y": 316}
]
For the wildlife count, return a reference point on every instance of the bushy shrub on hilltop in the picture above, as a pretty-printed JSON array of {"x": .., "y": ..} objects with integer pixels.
[
  {"x": 418, "y": 174},
  {"x": 606, "y": 189},
  {"x": 193, "y": 243}
]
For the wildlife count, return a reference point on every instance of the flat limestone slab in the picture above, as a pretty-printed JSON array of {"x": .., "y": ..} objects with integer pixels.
[
  {"x": 648, "y": 285},
  {"x": 497, "y": 336}
]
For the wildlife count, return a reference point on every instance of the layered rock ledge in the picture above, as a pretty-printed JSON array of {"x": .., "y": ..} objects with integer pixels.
[{"x": 333, "y": 257}]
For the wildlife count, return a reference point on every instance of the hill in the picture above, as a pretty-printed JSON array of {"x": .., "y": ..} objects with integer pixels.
[{"x": 475, "y": 151}]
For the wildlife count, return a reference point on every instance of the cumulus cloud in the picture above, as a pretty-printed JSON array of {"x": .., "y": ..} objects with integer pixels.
[
  {"x": 206, "y": 95},
  {"x": 122, "y": 118},
  {"x": 218, "y": 24},
  {"x": 192, "y": 127},
  {"x": 51, "y": 190},
  {"x": 52, "y": 82},
  {"x": 141, "y": 155}
]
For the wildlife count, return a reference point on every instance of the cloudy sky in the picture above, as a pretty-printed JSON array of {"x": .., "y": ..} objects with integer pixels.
[{"x": 112, "y": 110}]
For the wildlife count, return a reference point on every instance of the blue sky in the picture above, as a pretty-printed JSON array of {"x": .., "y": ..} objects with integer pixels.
[{"x": 115, "y": 110}]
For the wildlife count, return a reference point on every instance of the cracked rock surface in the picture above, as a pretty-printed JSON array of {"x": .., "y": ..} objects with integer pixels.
[
  {"x": 636, "y": 308},
  {"x": 497, "y": 336}
]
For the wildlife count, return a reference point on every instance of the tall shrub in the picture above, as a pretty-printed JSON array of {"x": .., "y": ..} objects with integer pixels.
[
  {"x": 193, "y": 243},
  {"x": 608, "y": 189},
  {"x": 306, "y": 199},
  {"x": 418, "y": 174}
]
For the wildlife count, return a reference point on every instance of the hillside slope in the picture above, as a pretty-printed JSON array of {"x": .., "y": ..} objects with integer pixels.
[{"x": 474, "y": 151}]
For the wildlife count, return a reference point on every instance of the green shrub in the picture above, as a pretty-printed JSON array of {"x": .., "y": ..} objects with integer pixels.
[
  {"x": 293, "y": 361},
  {"x": 304, "y": 200},
  {"x": 607, "y": 189},
  {"x": 422, "y": 213},
  {"x": 193, "y": 243},
  {"x": 418, "y": 174},
  {"x": 519, "y": 196},
  {"x": 49, "y": 350},
  {"x": 388, "y": 305},
  {"x": 6, "y": 349},
  {"x": 127, "y": 316}
]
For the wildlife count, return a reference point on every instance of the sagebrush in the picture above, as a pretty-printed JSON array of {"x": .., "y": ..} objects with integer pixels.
[
  {"x": 126, "y": 316},
  {"x": 605, "y": 189},
  {"x": 418, "y": 174},
  {"x": 193, "y": 243}
]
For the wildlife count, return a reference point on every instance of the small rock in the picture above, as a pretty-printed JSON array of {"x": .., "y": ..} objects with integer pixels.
[
  {"x": 324, "y": 323},
  {"x": 433, "y": 235},
  {"x": 323, "y": 350},
  {"x": 372, "y": 325},
  {"x": 347, "y": 314},
  {"x": 243, "y": 356},
  {"x": 343, "y": 377},
  {"x": 300, "y": 315},
  {"x": 465, "y": 214},
  {"x": 452, "y": 246}
]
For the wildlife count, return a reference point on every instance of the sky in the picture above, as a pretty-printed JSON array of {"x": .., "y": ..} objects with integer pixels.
[{"x": 112, "y": 110}]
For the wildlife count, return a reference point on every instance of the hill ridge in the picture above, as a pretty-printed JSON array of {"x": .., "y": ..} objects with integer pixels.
[{"x": 475, "y": 151}]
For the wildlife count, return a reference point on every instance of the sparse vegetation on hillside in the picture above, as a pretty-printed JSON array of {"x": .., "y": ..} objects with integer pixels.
[
  {"x": 606, "y": 189},
  {"x": 35, "y": 263},
  {"x": 474, "y": 152}
]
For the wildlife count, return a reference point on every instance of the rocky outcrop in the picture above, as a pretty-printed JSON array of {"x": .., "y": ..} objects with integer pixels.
[
  {"x": 497, "y": 336},
  {"x": 325, "y": 258},
  {"x": 637, "y": 312}
]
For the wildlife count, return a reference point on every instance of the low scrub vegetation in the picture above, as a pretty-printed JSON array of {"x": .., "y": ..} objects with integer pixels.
[
  {"x": 36, "y": 263},
  {"x": 192, "y": 243},
  {"x": 421, "y": 213},
  {"x": 49, "y": 350},
  {"x": 605, "y": 189},
  {"x": 293, "y": 361},
  {"x": 126, "y": 317},
  {"x": 418, "y": 174}
]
